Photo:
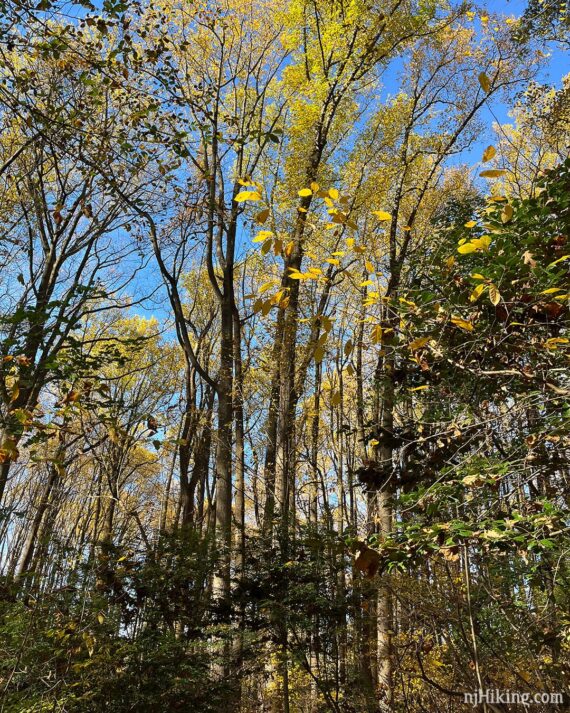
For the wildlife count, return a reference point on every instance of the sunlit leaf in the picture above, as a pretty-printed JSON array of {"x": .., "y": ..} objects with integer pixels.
[
  {"x": 247, "y": 196},
  {"x": 266, "y": 286},
  {"x": 262, "y": 236},
  {"x": 485, "y": 82},
  {"x": 382, "y": 214},
  {"x": 477, "y": 292},
  {"x": 489, "y": 153},
  {"x": 493, "y": 173},
  {"x": 462, "y": 324},
  {"x": 376, "y": 334},
  {"x": 507, "y": 213},
  {"x": 494, "y": 294},
  {"x": 418, "y": 343}
]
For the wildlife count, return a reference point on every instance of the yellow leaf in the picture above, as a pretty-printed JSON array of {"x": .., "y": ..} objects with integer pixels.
[
  {"x": 314, "y": 187},
  {"x": 382, "y": 215},
  {"x": 470, "y": 480},
  {"x": 471, "y": 224},
  {"x": 409, "y": 303},
  {"x": 276, "y": 299},
  {"x": 376, "y": 334},
  {"x": 560, "y": 259},
  {"x": 333, "y": 193},
  {"x": 485, "y": 82},
  {"x": 489, "y": 153},
  {"x": 551, "y": 290},
  {"x": 350, "y": 242},
  {"x": 9, "y": 451},
  {"x": 494, "y": 294},
  {"x": 462, "y": 324},
  {"x": 262, "y": 236},
  {"x": 369, "y": 266},
  {"x": 493, "y": 173},
  {"x": 333, "y": 261},
  {"x": 477, "y": 292},
  {"x": 420, "y": 388},
  {"x": 507, "y": 213},
  {"x": 418, "y": 343},
  {"x": 266, "y": 247},
  {"x": 336, "y": 398},
  {"x": 265, "y": 287},
  {"x": 482, "y": 243},
  {"x": 247, "y": 196},
  {"x": 319, "y": 354},
  {"x": 304, "y": 192},
  {"x": 348, "y": 348},
  {"x": 477, "y": 276},
  {"x": 296, "y": 275},
  {"x": 15, "y": 392},
  {"x": 365, "y": 283}
]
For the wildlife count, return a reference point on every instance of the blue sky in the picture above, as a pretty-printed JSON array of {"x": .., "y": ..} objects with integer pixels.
[{"x": 555, "y": 67}]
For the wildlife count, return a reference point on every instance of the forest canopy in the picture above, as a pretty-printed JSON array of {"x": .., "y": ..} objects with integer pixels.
[{"x": 284, "y": 389}]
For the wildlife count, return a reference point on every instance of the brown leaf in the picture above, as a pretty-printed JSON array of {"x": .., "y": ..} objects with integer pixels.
[
  {"x": 262, "y": 216},
  {"x": 367, "y": 561},
  {"x": 451, "y": 554},
  {"x": 152, "y": 424},
  {"x": 528, "y": 259}
]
